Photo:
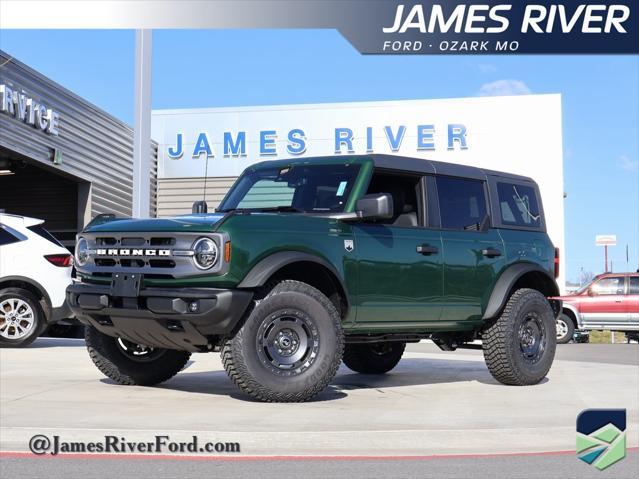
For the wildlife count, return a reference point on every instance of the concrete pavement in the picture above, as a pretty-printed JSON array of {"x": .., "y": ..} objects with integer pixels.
[{"x": 432, "y": 403}]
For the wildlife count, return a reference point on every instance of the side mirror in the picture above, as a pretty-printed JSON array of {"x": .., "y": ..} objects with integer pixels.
[
  {"x": 375, "y": 206},
  {"x": 590, "y": 292}
]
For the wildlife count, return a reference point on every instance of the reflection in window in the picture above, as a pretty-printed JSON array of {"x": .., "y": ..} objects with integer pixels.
[
  {"x": 518, "y": 205},
  {"x": 607, "y": 286}
]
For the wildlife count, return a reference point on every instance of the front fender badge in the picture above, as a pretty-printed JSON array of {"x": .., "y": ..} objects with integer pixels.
[{"x": 349, "y": 245}]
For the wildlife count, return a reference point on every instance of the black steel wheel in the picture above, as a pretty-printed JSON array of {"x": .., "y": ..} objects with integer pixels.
[
  {"x": 290, "y": 346},
  {"x": 129, "y": 363},
  {"x": 138, "y": 352},
  {"x": 532, "y": 337},
  {"x": 288, "y": 342},
  {"x": 519, "y": 346}
]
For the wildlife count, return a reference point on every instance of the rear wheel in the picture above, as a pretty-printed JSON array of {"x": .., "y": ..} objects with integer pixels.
[
  {"x": 290, "y": 346},
  {"x": 374, "y": 358},
  {"x": 565, "y": 328},
  {"x": 519, "y": 346},
  {"x": 21, "y": 318},
  {"x": 129, "y": 363}
]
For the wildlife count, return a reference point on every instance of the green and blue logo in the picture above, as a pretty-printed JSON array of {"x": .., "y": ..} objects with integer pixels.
[{"x": 601, "y": 437}]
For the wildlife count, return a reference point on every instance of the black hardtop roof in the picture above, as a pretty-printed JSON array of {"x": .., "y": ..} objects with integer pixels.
[
  {"x": 420, "y": 165},
  {"x": 403, "y": 163}
]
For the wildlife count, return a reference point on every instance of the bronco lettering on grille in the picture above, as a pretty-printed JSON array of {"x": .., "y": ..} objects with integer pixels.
[{"x": 132, "y": 252}]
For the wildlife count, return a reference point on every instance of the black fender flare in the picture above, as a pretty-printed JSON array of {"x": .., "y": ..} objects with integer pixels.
[
  {"x": 505, "y": 283},
  {"x": 264, "y": 269},
  {"x": 47, "y": 307}
]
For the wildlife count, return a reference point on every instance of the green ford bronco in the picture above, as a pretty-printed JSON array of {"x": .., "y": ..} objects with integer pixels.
[{"x": 310, "y": 262}]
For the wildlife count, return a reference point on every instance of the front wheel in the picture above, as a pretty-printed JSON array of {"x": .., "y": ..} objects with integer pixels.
[
  {"x": 519, "y": 346},
  {"x": 133, "y": 364},
  {"x": 565, "y": 328},
  {"x": 290, "y": 346},
  {"x": 374, "y": 358}
]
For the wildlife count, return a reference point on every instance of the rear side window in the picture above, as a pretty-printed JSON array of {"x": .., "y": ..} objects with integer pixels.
[
  {"x": 462, "y": 203},
  {"x": 634, "y": 285},
  {"x": 6, "y": 237},
  {"x": 519, "y": 205},
  {"x": 40, "y": 231}
]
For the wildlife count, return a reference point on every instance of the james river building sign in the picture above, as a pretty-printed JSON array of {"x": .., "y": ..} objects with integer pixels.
[
  {"x": 17, "y": 104},
  {"x": 234, "y": 143}
]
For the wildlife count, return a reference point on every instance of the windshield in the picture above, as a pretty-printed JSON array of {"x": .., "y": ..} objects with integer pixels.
[{"x": 298, "y": 188}]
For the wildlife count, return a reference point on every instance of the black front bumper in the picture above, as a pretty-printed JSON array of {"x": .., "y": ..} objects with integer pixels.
[{"x": 182, "y": 319}]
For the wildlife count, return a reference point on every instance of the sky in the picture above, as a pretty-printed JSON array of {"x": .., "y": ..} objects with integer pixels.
[{"x": 215, "y": 68}]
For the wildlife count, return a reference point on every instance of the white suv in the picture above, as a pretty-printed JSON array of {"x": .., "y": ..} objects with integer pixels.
[{"x": 34, "y": 272}]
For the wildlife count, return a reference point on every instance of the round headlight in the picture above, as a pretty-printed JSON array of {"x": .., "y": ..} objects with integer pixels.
[
  {"x": 206, "y": 253},
  {"x": 82, "y": 252}
]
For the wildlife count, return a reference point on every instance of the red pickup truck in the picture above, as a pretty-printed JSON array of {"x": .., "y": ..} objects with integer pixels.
[{"x": 610, "y": 301}]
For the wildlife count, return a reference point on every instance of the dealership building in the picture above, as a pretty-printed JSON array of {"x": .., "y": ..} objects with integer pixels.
[
  {"x": 62, "y": 159},
  {"x": 65, "y": 160}
]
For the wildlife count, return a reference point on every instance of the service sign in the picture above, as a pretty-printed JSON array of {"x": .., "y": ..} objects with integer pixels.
[{"x": 17, "y": 104}]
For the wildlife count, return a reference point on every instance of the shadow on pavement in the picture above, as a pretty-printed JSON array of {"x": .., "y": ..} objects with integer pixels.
[
  {"x": 410, "y": 372},
  {"x": 56, "y": 343}
]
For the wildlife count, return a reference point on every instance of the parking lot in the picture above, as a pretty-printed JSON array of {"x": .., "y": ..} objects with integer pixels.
[{"x": 434, "y": 403}]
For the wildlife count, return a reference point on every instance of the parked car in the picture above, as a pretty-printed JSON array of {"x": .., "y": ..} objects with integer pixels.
[
  {"x": 35, "y": 270},
  {"x": 610, "y": 301},
  {"x": 309, "y": 262}
]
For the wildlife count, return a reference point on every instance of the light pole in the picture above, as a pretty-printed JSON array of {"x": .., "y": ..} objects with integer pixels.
[{"x": 141, "y": 204}]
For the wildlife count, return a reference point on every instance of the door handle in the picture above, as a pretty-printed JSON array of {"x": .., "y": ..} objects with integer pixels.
[
  {"x": 491, "y": 252},
  {"x": 427, "y": 250}
]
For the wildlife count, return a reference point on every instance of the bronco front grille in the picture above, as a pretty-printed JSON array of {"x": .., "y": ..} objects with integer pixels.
[{"x": 148, "y": 253}]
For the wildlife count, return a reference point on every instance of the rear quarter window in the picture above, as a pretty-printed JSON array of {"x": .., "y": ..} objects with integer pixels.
[
  {"x": 6, "y": 237},
  {"x": 40, "y": 231},
  {"x": 518, "y": 205}
]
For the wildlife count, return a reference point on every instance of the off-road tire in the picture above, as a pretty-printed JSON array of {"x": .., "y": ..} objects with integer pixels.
[
  {"x": 570, "y": 328},
  {"x": 503, "y": 351},
  {"x": 39, "y": 323},
  {"x": 244, "y": 361},
  {"x": 371, "y": 359},
  {"x": 113, "y": 363}
]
